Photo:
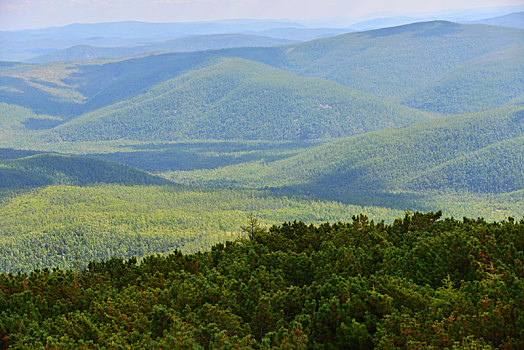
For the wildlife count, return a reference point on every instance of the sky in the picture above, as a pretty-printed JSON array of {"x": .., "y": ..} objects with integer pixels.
[{"x": 22, "y": 14}]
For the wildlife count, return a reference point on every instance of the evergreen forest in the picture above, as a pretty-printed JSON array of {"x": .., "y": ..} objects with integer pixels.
[
  {"x": 263, "y": 184},
  {"x": 420, "y": 282}
]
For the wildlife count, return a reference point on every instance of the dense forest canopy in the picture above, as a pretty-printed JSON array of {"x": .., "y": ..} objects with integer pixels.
[
  {"x": 125, "y": 183},
  {"x": 420, "y": 282},
  {"x": 58, "y": 225}
]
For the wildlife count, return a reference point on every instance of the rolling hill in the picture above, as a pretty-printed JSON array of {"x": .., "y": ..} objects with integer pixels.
[
  {"x": 437, "y": 66},
  {"x": 486, "y": 82},
  {"x": 47, "y": 169},
  {"x": 493, "y": 169},
  {"x": 17, "y": 120},
  {"x": 301, "y": 92},
  {"x": 400, "y": 61},
  {"x": 474, "y": 153},
  {"x": 373, "y": 126},
  {"x": 8, "y": 153},
  {"x": 239, "y": 99},
  {"x": 67, "y": 90}
]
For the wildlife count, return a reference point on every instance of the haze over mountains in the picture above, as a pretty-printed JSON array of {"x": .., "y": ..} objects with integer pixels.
[
  {"x": 185, "y": 44},
  {"x": 127, "y": 38},
  {"x": 514, "y": 20},
  {"x": 119, "y": 39}
]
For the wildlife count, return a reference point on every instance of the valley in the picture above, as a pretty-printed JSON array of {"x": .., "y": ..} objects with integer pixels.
[{"x": 441, "y": 129}]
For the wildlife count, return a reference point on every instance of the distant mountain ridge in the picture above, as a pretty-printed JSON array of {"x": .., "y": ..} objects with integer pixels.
[
  {"x": 26, "y": 44},
  {"x": 303, "y": 34},
  {"x": 185, "y": 44},
  {"x": 421, "y": 65},
  {"x": 513, "y": 20},
  {"x": 137, "y": 29}
]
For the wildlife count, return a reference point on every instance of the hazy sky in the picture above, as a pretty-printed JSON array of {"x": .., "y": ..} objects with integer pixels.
[{"x": 17, "y": 14}]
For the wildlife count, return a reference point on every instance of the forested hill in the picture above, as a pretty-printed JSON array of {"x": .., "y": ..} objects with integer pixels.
[
  {"x": 481, "y": 153},
  {"x": 435, "y": 66},
  {"x": 239, "y": 99},
  {"x": 420, "y": 282},
  {"x": 46, "y": 169},
  {"x": 9, "y": 153},
  {"x": 399, "y": 61}
]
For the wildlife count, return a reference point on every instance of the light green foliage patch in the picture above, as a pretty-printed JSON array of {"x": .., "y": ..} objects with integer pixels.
[{"x": 46, "y": 226}]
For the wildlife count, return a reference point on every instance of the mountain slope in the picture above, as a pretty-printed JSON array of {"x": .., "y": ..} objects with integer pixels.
[
  {"x": 47, "y": 169},
  {"x": 384, "y": 22},
  {"x": 239, "y": 99},
  {"x": 15, "y": 119},
  {"x": 479, "y": 153},
  {"x": 514, "y": 20},
  {"x": 303, "y": 34},
  {"x": 421, "y": 64},
  {"x": 395, "y": 62},
  {"x": 9, "y": 153},
  {"x": 480, "y": 84},
  {"x": 493, "y": 169}
]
